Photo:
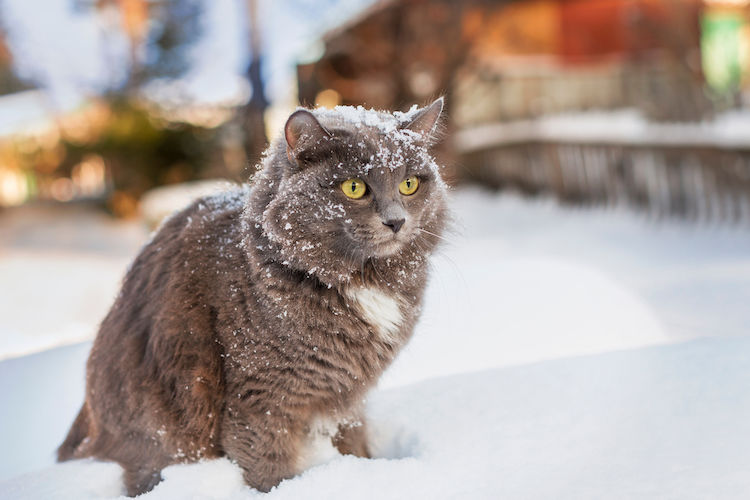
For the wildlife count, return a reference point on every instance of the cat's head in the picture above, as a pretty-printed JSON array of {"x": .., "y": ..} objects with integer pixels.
[{"x": 356, "y": 184}]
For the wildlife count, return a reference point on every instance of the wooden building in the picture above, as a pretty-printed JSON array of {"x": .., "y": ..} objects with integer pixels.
[
  {"x": 406, "y": 51},
  {"x": 514, "y": 62}
]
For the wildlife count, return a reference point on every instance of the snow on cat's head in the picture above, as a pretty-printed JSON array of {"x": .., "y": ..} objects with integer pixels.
[{"x": 356, "y": 184}]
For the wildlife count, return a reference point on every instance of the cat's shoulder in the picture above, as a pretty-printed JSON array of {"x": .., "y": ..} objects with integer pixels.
[
  {"x": 226, "y": 203},
  {"x": 206, "y": 222},
  {"x": 207, "y": 210}
]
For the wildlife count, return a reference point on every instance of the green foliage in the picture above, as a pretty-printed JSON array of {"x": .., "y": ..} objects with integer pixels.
[{"x": 142, "y": 151}]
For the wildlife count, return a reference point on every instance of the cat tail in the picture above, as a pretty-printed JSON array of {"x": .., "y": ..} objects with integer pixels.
[{"x": 78, "y": 432}]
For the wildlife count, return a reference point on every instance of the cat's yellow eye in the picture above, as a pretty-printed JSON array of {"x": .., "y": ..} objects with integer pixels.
[
  {"x": 354, "y": 188},
  {"x": 409, "y": 185}
]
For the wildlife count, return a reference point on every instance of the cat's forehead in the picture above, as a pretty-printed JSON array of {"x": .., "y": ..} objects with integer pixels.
[
  {"x": 372, "y": 142},
  {"x": 390, "y": 153},
  {"x": 368, "y": 153}
]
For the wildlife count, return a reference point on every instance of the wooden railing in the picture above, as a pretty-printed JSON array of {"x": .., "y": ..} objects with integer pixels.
[{"x": 699, "y": 171}]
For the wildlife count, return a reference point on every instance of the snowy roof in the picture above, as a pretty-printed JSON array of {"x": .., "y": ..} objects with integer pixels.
[{"x": 730, "y": 130}]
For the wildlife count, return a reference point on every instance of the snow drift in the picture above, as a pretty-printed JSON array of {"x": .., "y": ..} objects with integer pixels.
[{"x": 556, "y": 358}]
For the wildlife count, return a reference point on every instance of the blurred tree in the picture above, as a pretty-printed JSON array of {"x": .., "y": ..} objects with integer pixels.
[
  {"x": 9, "y": 82},
  {"x": 160, "y": 34},
  {"x": 251, "y": 115},
  {"x": 141, "y": 151},
  {"x": 173, "y": 28}
]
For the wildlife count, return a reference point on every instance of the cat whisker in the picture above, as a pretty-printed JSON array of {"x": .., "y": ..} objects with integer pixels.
[
  {"x": 435, "y": 235},
  {"x": 422, "y": 246},
  {"x": 372, "y": 262},
  {"x": 362, "y": 269}
]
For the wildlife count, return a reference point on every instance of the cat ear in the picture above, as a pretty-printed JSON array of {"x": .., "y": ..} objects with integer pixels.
[
  {"x": 302, "y": 129},
  {"x": 425, "y": 121}
]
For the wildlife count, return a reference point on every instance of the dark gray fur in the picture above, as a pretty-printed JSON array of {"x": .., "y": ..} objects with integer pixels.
[{"x": 240, "y": 323}]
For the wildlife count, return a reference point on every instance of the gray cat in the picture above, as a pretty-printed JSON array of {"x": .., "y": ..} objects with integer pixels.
[{"x": 254, "y": 322}]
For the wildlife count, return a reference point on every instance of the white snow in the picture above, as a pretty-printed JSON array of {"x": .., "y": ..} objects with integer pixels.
[
  {"x": 318, "y": 449},
  {"x": 562, "y": 353},
  {"x": 41, "y": 312},
  {"x": 60, "y": 270},
  {"x": 623, "y": 126},
  {"x": 384, "y": 121},
  {"x": 660, "y": 422}
]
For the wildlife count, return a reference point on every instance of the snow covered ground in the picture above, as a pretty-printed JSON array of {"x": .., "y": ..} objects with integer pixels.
[
  {"x": 562, "y": 353},
  {"x": 59, "y": 272}
]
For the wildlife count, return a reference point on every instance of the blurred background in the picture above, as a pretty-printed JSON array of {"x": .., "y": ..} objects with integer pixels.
[
  {"x": 599, "y": 158},
  {"x": 103, "y": 100},
  {"x": 612, "y": 136}
]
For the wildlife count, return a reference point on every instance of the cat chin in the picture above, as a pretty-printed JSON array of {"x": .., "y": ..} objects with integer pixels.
[
  {"x": 377, "y": 247},
  {"x": 388, "y": 248}
]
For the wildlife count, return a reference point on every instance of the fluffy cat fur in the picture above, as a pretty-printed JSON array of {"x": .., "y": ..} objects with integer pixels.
[{"x": 257, "y": 319}]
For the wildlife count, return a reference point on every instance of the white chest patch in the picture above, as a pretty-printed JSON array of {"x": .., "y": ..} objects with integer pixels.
[
  {"x": 382, "y": 311},
  {"x": 318, "y": 448}
]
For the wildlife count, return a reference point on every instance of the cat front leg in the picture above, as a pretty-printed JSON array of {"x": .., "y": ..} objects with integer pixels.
[
  {"x": 351, "y": 438},
  {"x": 265, "y": 447}
]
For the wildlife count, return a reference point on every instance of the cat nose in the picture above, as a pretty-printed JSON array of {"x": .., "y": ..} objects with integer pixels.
[{"x": 394, "y": 224}]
